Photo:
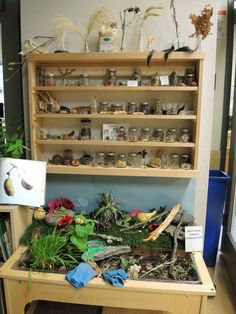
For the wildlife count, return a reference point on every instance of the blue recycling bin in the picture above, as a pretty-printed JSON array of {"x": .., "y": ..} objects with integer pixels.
[{"x": 217, "y": 190}]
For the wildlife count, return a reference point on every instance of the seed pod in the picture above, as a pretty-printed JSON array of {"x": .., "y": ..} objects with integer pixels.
[
  {"x": 8, "y": 187},
  {"x": 26, "y": 185}
]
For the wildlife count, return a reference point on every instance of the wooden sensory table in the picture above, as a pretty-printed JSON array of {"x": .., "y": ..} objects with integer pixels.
[{"x": 135, "y": 297}]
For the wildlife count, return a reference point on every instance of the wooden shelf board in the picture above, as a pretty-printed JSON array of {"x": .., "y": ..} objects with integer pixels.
[
  {"x": 131, "y": 172},
  {"x": 106, "y": 58},
  {"x": 113, "y": 143},
  {"x": 117, "y": 88},
  {"x": 113, "y": 116}
]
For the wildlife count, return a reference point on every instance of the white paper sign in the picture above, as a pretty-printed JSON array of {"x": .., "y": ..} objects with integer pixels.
[{"x": 193, "y": 239}]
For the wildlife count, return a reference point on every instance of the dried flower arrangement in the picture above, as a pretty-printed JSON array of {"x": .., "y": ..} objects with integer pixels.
[
  {"x": 64, "y": 25},
  {"x": 202, "y": 22},
  {"x": 149, "y": 12},
  {"x": 125, "y": 24}
]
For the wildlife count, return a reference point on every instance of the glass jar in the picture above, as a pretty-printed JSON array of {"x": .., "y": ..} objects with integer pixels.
[
  {"x": 83, "y": 79},
  {"x": 121, "y": 133},
  {"x": 121, "y": 161},
  {"x": 133, "y": 160},
  {"x": 110, "y": 159},
  {"x": 85, "y": 130},
  {"x": 131, "y": 107},
  {"x": 146, "y": 134},
  {"x": 133, "y": 135},
  {"x": 144, "y": 107},
  {"x": 171, "y": 135},
  {"x": 110, "y": 79},
  {"x": 185, "y": 162},
  {"x": 100, "y": 159},
  {"x": 50, "y": 81},
  {"x": 158, "y": 135},
  {"x": 184, "y": 135},
  {"x": 116, "y": 107},
  {"x": 103, "y": 107},
  {"x": 174, "y": 161}
]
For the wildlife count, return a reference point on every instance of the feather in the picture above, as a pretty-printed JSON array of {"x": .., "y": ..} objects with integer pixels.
[{"x": 149, "y": 57}]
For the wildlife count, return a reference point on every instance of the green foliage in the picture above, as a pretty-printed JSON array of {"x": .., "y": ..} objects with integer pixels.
[
  {"x": 38, "y": 226},
  {"x": 126, "y": 263},
  {"x": 11, "y": 145},
  {"x": 108, "y": 208},
  {"x": 46, "y": 251}
]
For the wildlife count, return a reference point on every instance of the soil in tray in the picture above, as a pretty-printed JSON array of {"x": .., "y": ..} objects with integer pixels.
[{"x": 155, "y": 265}]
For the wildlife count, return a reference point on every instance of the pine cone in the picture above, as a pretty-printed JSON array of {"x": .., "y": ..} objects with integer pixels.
[
  {"x": 103, "y": 224},
  {"x": 86, "y": 159}
]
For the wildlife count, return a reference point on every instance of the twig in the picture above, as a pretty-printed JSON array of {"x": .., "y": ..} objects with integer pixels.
[
  {"x": 158, "y": 266},
  {"x": 173, "y": 255},
  {"x": 172, "y": 6}
]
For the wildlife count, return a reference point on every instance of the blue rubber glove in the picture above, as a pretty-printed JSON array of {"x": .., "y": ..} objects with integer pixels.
[
  {"x": 80, "y": 275},
  {"x": 115, "y": 277}
]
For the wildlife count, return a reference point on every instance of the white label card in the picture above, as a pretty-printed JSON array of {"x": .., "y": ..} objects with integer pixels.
[
  {"x": 193, "y": 239},
  {"x": 164, "y": 79},
  {"x": 132, "y": 83}
]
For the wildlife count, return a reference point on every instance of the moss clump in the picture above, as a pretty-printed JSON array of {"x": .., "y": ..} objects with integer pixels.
[{"x": 135, "y": 239}]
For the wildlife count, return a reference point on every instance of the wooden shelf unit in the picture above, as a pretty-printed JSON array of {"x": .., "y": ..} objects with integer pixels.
[
  {"x": 95, "y": 64},
  {"x": 20, "y": 218}
]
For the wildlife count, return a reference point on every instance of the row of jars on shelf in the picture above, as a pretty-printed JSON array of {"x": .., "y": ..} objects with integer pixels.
[
  {"x": 132, "y": 107},
  {"x": 172, "y": 161},
  {"x": 111, "y": 78},
  {"x": 170, "y": 135}
]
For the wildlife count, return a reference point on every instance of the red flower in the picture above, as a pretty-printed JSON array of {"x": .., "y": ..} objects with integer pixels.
[
  {"x": 64, "y": 221},
  {"x": 67, "y": 203},
  {"x": 135, "y": 212},
  {"x": 152, "y": 227}
]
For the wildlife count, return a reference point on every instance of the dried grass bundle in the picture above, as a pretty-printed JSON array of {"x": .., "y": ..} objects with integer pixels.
[
  {"x": 150, "y": 11},
  {"x": 202, "y": 22},
  {"x": 98, "y": 18},
  {"x": 64, "y": 25}
]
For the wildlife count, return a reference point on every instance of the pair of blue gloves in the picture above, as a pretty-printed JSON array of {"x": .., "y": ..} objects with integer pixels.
[{"x": 82, "y": 274}]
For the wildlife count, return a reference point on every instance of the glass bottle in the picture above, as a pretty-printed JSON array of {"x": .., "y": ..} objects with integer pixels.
[
  {"x": 174, "y": 161},
  {"x": 146, "y": 134},
  {"x": 171, "y": 135},
  {"x": 121, "y": 161},
  {"x": 158, "y": 135},
  {"x": 185, "y": 162},
  {"x": 94, "y": 104},
  {"x": 110, "y": 78},
  {"x": 85, "y": 131},
  {"x": 100, "y": 158},
  {"x": 110, "y": 159},
  {"x": 144, "y": 107},
  {"x": 133, "y": 160},
  {"x": 184, "y": 136},
  {"x": 131, "y": 107},
  {"x": 133, "y": 135}
]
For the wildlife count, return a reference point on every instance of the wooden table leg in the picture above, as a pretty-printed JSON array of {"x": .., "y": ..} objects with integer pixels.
[{"x": 16, "y": 296}]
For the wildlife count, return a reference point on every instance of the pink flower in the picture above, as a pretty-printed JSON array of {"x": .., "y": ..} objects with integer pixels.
[
  {"x": 135, "y": 212},
  {"x": 54, "y": 205}
]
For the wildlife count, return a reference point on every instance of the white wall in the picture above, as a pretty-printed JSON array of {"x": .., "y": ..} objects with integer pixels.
[{"x": 37, "y": 19}]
